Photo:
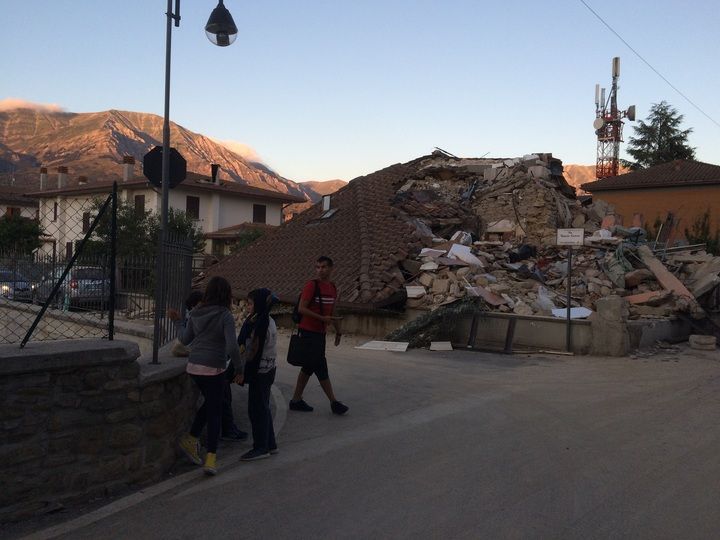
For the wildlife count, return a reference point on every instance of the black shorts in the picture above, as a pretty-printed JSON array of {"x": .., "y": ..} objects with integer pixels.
[{"x": 316, "y": 363}]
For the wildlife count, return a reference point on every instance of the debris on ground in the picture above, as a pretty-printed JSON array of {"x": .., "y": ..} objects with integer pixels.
[{"x": 489, "y": 230}]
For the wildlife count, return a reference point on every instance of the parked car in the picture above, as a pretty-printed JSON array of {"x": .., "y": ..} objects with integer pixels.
[
  {"x": 84, "y": 286},
  {"x": 14, "y": 286}
]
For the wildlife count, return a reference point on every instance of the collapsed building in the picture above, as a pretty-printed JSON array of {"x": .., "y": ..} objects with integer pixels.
[{"x": 440, "y": 229}]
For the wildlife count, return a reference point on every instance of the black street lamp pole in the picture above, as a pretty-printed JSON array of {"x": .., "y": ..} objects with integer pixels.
[{"x": 221, "y": 31}]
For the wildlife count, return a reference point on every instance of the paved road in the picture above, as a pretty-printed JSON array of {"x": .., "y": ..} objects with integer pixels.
[{"x": 467, "y": 445}]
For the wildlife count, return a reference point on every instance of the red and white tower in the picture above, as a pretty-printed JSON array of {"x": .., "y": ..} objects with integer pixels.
[{"x": 608, "y": 126}]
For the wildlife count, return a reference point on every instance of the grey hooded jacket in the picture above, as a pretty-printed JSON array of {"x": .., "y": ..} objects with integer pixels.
[{"x": 211, "y": 329}]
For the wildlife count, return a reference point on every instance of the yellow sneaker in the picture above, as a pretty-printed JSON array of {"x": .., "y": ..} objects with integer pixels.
[
  {"x": 210, "y": 464},
  {"x": 190, "y": 446}
]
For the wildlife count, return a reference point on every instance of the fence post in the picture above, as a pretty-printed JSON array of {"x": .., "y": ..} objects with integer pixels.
[{"x": 113, "y": 262}]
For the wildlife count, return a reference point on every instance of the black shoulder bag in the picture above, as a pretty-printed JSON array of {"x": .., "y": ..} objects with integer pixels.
[{"x": 301, "y": 348}]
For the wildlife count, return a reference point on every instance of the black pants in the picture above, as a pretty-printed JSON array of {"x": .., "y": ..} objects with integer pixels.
[
  {"x": 259, "y": 411},
  {"x": 317, "y": 362},
  {"x": 228, "y": 421},
  {"x": 210, "y": 411}
]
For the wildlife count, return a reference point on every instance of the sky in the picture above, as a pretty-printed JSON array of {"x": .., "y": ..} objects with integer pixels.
[{"x": 340, "y": 88}]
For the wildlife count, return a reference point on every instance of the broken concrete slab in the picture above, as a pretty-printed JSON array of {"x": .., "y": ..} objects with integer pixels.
[
  {"x": 702, "y": 343},
  {"x": 441, "y": 346},
  {"x": 650, "y": 298},
  {"x": 440, "y": 286},
  {"x": 667, "y": 279},
  {"x": 415, "y": 291},
  {"x": 704, "y": 285}
]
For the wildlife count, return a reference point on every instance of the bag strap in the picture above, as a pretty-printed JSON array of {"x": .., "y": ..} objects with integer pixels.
[{"x": 318, "y": 296}]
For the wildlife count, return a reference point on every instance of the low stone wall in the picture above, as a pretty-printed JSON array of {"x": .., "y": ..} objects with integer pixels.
[{"x": 81, "y": 419}]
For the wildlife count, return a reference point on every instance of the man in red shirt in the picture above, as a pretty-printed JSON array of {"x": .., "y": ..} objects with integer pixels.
[{"x": 317, "y": 303}]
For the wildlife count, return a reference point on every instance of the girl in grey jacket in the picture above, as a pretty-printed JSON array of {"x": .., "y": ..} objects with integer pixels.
[{"x": 211, "y": 329}]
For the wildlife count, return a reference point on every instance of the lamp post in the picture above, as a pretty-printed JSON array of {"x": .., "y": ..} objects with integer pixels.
[{"x": 221, "y": 31}]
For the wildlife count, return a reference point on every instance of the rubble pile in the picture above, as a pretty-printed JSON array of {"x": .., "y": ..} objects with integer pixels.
[
  {"x": 489, "y": 229},
  {"x": 533, "y": 281},
  {"x": 524, "y": 197}
]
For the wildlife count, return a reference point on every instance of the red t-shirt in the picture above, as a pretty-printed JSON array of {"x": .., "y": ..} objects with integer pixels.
[{"x": 328, "y": 295}]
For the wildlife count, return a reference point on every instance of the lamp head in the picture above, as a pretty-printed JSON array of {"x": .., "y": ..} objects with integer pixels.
[{"x": 220, "y": 28}]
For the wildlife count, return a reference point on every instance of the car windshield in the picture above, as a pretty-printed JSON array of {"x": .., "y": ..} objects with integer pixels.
[{"x": 88, "y": 273}]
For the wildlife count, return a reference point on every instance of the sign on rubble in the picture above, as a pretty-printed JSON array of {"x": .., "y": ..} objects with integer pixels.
[{"x": 570, "y": 237}]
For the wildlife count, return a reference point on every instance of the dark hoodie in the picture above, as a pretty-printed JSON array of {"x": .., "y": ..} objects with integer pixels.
[{"x": 211, "y": 329}]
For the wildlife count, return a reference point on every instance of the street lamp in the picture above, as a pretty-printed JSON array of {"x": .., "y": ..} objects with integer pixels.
[{"x": 221, "y": 30}]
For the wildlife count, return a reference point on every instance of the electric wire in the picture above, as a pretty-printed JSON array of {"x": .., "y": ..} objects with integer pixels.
[{"x": 690, "y": 101}]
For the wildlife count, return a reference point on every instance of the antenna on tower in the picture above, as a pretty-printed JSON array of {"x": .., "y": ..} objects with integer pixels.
[{"x": 608, "y": 126}]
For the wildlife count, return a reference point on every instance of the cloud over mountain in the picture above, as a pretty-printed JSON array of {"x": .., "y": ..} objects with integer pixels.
[{"x": 11, "y": 103}]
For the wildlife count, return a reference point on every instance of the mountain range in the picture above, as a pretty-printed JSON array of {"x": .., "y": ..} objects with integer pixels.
[{"x": 93, "y": 145}]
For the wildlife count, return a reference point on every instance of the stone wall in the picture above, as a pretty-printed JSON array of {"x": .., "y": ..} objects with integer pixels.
[{"x": 81, "y": 419}]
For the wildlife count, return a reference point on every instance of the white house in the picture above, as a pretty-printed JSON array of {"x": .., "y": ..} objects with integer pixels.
[
  {"x": 66, "y": 208},
  {"x": 14, "y": 203}
]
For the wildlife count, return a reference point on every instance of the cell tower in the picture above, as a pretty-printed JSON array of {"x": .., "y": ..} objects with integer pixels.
[{"x": 608, "y": 126}]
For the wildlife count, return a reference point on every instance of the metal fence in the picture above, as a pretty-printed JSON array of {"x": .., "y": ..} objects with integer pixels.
[{"x": 61, "y": 276}]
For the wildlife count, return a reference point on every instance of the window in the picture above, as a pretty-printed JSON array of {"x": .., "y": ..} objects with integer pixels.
[
  {"x": 55, "y": 211},
  {"x": 259, "y": 213},
  {"x": 192, "y": 207},
  {"x": 68, "y": 250},
  {"x": 86, "y": 222},
  {"x": 139, "y": 204}
]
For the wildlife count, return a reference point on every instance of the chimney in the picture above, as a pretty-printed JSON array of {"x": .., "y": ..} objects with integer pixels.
[
  {"x": 214, "y": 173},
  {"x": 128, "y": 166},
  {"x": 82, "y": 180},
  {"x": 43, "y": 178},
  {"x": 62, "y": 177}
]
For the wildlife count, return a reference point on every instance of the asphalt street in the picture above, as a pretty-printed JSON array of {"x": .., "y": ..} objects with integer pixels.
[{"x": 462, "y": 445}]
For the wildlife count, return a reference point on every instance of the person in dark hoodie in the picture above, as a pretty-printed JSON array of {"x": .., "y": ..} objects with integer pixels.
[
  {"x": 211, "y": 329},
  {"x": 258, "y": 340}
]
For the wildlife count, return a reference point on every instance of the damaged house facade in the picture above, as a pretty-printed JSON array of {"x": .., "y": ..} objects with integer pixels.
[
  {"x": 676, "y": 195},
  {"x": 417, "y": 237}
]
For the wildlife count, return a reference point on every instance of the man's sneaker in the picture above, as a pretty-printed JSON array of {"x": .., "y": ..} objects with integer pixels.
[
  {"x": 234, "y": 436},
  {"x": 300, "y": 405},
  {"x": 210, "y": 466},
  {"x": 254, "y": 454},
  {"x": 339, "y": 407},
  {"x": 190, "y": 446},
  {"x": 274, "y": 451}
]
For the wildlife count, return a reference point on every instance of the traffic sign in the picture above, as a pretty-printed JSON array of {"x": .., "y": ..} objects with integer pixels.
[{"x": 152, "y": 167}]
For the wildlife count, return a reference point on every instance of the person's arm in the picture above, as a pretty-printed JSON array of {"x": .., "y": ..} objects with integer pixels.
[
  {"x": 231, "y": 346},
  {"x": 305, "y": 299},
  {"x": 186, "y": 331},
  {"x": 336, "y": 320}
]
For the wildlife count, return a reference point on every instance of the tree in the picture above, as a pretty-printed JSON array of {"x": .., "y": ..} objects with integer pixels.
[
  {"x": 181, "y": 224},
  {"x": 137, "y": 232},
  {"x": 19, "y": 235},
  {"x": 660, "y": 140}
]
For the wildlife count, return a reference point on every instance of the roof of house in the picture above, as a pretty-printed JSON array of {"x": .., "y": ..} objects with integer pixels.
[
  {"x": 678, "y": 173},
  {"x": 13, "y": 196},
  {"x": 193, "y": 182},
  {"x": 229, "y": 233},
  {"x": 362, "y": 233}
]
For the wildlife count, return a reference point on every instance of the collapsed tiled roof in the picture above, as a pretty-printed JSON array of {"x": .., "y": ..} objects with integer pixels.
[
  {"x": 673, "y": 174},
  {"x": 360, "y": 233},
  {"x": 377, "y": 221}
]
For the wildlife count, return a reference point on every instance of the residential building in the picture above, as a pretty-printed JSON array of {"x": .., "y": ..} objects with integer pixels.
[
  {"x": 14, "y": 203},
  {"x": 66, "y": 209},
  {"x": 677, "y": 195}
]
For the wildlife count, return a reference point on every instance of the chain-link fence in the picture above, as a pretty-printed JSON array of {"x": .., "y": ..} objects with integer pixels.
[{"x": 61, "y": 276}]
